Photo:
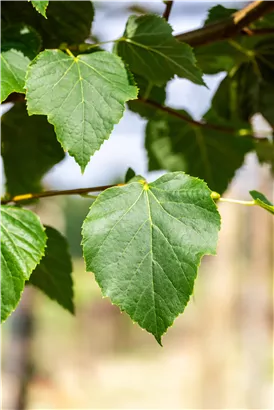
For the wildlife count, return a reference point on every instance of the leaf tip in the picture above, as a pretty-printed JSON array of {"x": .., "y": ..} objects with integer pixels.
[{"x": 158, "y": 339}]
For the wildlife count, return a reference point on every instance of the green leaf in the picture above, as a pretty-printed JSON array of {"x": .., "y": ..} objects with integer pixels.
[
  {"x": 236, "y": 97},
  {"x": 265, "y": 153},
  {"x": 147, "y": 91},
  {"x": 53, "y": 275},
  {"x": 19, "y": 45},
  {"x": 144, "y": 244},
  {"x": 23, "y": 242},
  {"x": 173, "y": 144},
  {"x": 151, "y": 51},
  {"x": 249, "y": 88},
  {"x": 218, "y": 56},
  {"x": 262, "y": 201},
  {"x": 218, "y": 12},
  {"x": 83, "y": 97},
  {"x": 228, "y": 55},
  {"x": 129, "y": 175},
  {"x": 67, "y": 21},
  {"x": 267, "y": 21},
  {"x": 40, "y": 6},
  {"x": 29, "y": 150}
]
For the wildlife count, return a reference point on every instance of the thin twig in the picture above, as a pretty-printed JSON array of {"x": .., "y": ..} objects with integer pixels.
[
  {"x": 228, "y": 27},
  {"x": 77, "y": 191},
  {"x": 257, "y": 31},
  {"x": 168, "y": 8},
  {"x": 194, "y": 123}
]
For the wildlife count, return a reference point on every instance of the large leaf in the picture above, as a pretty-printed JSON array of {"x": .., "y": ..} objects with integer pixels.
[
  {"x": 262, "y": 201},
  {"x": 67, "y": 21},
  {"x": 144, "y": 244},
  {"x": 40, "y": 6},
  {"x": 23, "y": 242},
  {"x": 53, "y": 274},
  {"x": 19, "y": 45},
  {"x": 83, "y": 97},
  {"x": 29, "y": 150},
  {"x": 173, "y": 144},
  {"x": 151, "y": 51}
]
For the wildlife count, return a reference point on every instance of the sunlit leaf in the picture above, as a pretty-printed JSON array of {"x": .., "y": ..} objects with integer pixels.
[
  {"x": 144, "y": 243},
  {"x": 83, "y": 97}
]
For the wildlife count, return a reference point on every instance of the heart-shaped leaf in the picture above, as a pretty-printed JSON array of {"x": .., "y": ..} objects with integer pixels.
[
  {"x": 144, "y": 243},
  {"x": 83, "y": 97}
]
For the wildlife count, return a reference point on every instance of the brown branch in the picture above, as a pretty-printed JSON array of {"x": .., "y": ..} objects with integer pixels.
[
  {"x": 168, "y": 8},
  {"x": 77, "y": 191},
  {"x": 174, "y": 113},
  {"x": 228, "y": 27}
]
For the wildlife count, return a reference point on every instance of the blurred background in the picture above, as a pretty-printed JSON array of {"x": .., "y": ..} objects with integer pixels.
[{"x": 218, "y": 354}]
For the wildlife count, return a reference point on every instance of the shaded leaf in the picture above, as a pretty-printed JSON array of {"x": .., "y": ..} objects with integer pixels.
[
  {"x": 218, "y": 12},
  {"x": 67, "y": 21},
  {"x": 250, "y": 88},
  {"x": 265, "y": 153},
  {"x": 262, "y": 201},
  {"x": 23, "y": 242},
  {"x": 227, "y": 55},
  {"x": 53, "y": 274},
  {"x": 151, "y": 51},
  {"x": 19, "y": 45},
  {"x": 237, "y": 95},
  {"x": 147, "y": 91},
  {"x": 29, "y": 150},
  {"x": 144, "y": 244},
  {"x": 173, "y": 144},
  {"x": 83, "y": 97}
]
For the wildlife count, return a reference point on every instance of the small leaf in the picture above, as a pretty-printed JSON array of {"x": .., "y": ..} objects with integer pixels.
[
  {"x": 144, "y": 244},
  {"x": 129, "y": 175},
  {"x": 23, "y": 242},
  {"x": 31, "y": 144},
  {"x": 53, "y": 275},
  {"x": 83, "y": 97},
  {"x": 173, "y": 144},
  {"x": 218, "y": 12},
  {"x": 40, "y": 6},
  {"x": 151, "y": 51},
  {"x": 262, "y": 201},
  {"x": 19, "y": 45}
]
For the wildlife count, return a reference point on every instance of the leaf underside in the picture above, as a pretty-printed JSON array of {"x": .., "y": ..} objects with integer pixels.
[{"x": 144, "y": 244}]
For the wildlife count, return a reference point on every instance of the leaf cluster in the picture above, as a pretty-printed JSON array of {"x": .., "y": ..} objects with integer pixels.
[{"x": 143, "y": 241}]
